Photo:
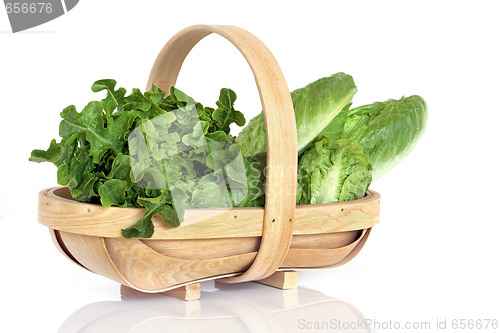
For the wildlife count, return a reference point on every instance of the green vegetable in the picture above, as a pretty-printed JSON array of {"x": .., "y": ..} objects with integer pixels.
[
  {"x": 332, "y": 172},
  {"x": 335, "y": 128},
  {"x": 161, "y": 153},
  {"x": 169, "y": 153},
  {"x": 387, "y": 131},
  {"x": 315, "y": 107},
  {"x": 327, "y": 172},
  {"x": 384, "y": 131}
]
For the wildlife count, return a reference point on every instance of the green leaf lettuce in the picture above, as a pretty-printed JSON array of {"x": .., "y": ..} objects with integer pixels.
[{"x": 162, "y": 153}]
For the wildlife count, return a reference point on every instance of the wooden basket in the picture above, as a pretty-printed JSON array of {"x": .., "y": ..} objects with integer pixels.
[{"x": 235, "y": 245}]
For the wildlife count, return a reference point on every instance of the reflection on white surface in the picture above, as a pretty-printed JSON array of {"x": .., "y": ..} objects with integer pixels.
[{"x": 247, "y": 307}]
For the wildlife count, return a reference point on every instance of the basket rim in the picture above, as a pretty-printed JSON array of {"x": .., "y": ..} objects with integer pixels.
[
  {"x": 64, "y": 214},
  {"x": 56, "y": 191}
]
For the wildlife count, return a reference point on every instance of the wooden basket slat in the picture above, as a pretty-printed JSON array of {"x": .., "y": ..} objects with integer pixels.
[
  {"x": 57, "y": 211},
  {"x": 201, "y": 249},
  {"x": 135, "y": 264},
  {"x": 92, "y": 254}
]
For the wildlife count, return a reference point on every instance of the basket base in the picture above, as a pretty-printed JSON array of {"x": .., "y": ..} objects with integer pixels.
[
  {"x": 282, "y": 280},
  {"x": 189, "y": 292}
]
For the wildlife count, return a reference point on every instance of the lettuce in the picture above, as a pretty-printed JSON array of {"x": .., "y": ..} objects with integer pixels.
[
  {"x": 169, "y": 153},
  {"x": 162, "y": 153},
  {"x": 333, "y": 172},
  {"x": 315, "y": 105},
  {"x": 355, "y": 147},
  {"x": 387, "y": 131},
  {"x": 329, "y": 171}
]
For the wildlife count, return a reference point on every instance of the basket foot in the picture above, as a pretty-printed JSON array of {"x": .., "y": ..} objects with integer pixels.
[
  {"x": 188, "y": 292},
  {"x": 278, "y": 296},
  {"x": 282, "y": 280}
]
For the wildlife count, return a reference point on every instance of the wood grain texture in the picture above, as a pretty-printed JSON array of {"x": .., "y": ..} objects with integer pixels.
[
  {"x": 282, "y": 280},
  {"x": 319, "y": 258},
  {"x": 150, "y": 271},
  {"x": 136, "y": 265},
  {"x": 58, "y": 242},
  {"x": 189, "y": 292},
  {"x": 57, "y": 210},
  {"x": 184, "y": 310},
  {"x": 91, "y": 252},
  {"x": 281, "y": 134},
  {"x": 201, "y": 249},
  {"x": 355, "y": 250}
]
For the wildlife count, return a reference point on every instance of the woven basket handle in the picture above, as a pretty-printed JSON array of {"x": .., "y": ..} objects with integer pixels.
[{"x": 281, "y": 134}]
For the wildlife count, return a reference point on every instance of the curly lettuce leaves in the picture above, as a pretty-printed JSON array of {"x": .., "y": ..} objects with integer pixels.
[
  {"x": 387, "y": 131},
  {"x": 315, "y": 106},
  {"x": 333, "y": 172},
  {"x": 173, "y": 151},
  {"x": 186, "y": 158}
]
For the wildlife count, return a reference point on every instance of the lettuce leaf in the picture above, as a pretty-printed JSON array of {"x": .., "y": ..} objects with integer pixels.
[
  {"x": 387, "y": 131},
  {"x": 328, "y": 172},
  {"x": 315, "y": 106},
  {"x": 162, "y": 153},
  {"x": 332, "y": 172}
]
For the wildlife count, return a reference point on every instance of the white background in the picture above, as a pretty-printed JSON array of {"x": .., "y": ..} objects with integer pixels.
[{"x": 434, "y": 254}]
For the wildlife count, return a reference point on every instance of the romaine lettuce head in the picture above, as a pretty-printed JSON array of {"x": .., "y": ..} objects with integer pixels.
[
  {"x": 256, "y": 176},
  {"x": 315, "y": 105},
  {"x": 335, "y": 128},
  {"x": 333, "y": 172},
  {"x": 387, "y": 131}
]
